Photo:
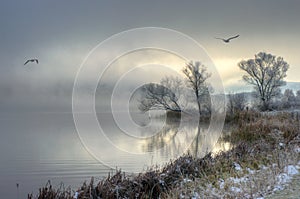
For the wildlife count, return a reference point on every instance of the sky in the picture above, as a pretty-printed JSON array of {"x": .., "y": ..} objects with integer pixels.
[{"x": 62, "y": 33}]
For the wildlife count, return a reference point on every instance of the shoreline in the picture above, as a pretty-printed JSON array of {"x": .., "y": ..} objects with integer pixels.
[{"x": 262, "y": 150}]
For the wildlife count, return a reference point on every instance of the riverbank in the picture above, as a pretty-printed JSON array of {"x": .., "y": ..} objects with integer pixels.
[
  {"x": 264, "y": 162},
  {"x": 265, "y": 151}
]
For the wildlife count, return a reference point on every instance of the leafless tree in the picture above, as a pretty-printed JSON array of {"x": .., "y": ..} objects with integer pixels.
[
  {"x": 298, "y": 98},
  {"x": 289, "y": 98},
  {"x": 236, "y": 102},
  {"x": 196, "y": 74},
  {"x": 298, "y": 94},
  {"x": 174, "y": 84},
  {"x": 266, "y": 72},
  {"x": 163, "y": 96}
]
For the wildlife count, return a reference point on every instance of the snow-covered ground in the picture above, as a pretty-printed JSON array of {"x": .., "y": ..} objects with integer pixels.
[{"x": 248, "y": 183}]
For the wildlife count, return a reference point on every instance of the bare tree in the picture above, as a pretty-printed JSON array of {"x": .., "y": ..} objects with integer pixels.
[
  {"x": 236, "y": 102},
  {"x": 174, "y": 84},
  {"x": 289, "y": 98},
  {"x": 196, "y": 74},
  {"x": 298, "y": 94},
  {"x": 266, "y": 72},
  {"x": 298, "y": 98},
  {"x": 163, "y": 96}
]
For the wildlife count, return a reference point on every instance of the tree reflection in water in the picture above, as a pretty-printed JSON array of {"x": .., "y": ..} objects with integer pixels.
[{"x": 169, "y": 139}]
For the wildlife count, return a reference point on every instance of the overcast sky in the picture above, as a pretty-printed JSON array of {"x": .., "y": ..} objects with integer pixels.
[{"x": 61, "y": 33}]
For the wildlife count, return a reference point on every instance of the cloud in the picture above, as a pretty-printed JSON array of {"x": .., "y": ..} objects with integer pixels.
[
  {"x": 61, "y": 34},
  {"x": 229, "y": 71}
]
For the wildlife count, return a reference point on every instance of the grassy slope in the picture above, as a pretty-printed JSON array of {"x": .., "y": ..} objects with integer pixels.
[{"x": 263, "y": 146}]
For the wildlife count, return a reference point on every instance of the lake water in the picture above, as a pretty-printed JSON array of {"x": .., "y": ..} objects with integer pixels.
[{"x": 37, "y": 147}]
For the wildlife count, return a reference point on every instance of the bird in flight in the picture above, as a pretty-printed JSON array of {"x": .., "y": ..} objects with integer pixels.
[
  {"x": 228, "y": 40},
  {"x": 31, "y": 60}
]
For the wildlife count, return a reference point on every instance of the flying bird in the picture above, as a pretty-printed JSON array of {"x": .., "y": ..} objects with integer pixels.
[
  {"x": 227, "y": 40},
  {"x": 31, "y": 60}
]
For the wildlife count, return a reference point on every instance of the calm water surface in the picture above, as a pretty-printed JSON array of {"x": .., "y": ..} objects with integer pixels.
[{"x": 37, "y": 147}]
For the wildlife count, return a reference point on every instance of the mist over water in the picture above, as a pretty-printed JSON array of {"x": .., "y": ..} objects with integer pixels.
[{"x": 37, "y": 147}]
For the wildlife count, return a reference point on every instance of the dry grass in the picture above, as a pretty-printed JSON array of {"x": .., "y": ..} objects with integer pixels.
[
  {"x": 256, "y": 141},
  {"x": 252, "y": 183},
  {"x": 49, "y": 192}
]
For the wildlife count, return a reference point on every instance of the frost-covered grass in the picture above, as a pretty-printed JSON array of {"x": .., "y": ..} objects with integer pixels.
[
  {"x": 264, "y": 160},
  {"x": 247, "y": 183}
]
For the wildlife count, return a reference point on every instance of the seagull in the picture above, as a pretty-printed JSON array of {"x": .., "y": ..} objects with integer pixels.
[
  {"x": 31, "y": 60},
  {"x": 227, "y": 40}
]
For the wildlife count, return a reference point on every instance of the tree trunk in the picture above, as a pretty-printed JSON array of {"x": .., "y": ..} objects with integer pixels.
[
  {"x": 198, "y": 101},
  {"x": 199, "y": 106},
  {"x": 265, "y": 105},
  {"x": 197, "y": 141}
]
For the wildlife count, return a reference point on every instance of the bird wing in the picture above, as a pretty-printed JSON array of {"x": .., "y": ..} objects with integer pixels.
[
  {"x": 26, "y": 62},
  {"x": 37, "y": 61},
  {"x": 233, "y": 37}
]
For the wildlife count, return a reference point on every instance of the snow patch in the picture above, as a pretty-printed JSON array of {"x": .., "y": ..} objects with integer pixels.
[
  {"x": 250, "y": 170},
  {"x": 263, "y": 167},
  {"x": 76, "y": 195},
  {"x": 291, "y": 170},
  {"x": 196, "y": 195},
  {"x": 222, "y": 183},
  {"x": 274, "y": 165},
  {"x": 237, "y": 167},
  {"x": 239, "y": 180},
  {"x": 186, "y": 180},
  {"x": 236, "y": 189},
  {"x": 284, "y": 178},
  {"x": 281, "y": 145}
]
